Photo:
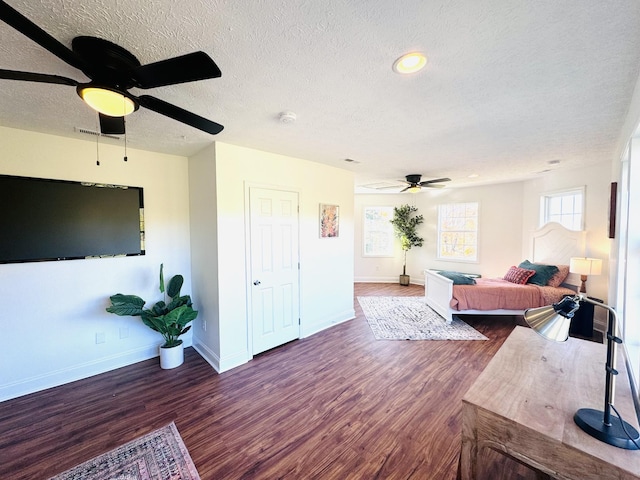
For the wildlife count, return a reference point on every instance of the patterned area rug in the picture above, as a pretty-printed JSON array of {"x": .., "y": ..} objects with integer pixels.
[
  {"x": 409, "y": 318},
  {"x": 159, "y": 455}
]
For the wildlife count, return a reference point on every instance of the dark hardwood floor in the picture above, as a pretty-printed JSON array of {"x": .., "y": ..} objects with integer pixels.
[{"x": 337, "y": 405}]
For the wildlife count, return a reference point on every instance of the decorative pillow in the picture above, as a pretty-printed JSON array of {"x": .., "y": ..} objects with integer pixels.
[
  {"x": 519, "y": 275},
  {"x": 458, "y": 278},
  {"x": 543, "y": 272},
  {"x": 559, "y": 277}
]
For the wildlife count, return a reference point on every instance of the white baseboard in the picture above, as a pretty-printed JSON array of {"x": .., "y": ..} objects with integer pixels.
[
  {"x": 307, "y": 331},
  {"x": 233, "y": 361},
  {"x": 78, "y": 372},
  {"x": 218, "y": 364},
  {"x": 209, "y": 355},
  {"x": 376, "y": 279},
  {"x": 413, "y": 281}
]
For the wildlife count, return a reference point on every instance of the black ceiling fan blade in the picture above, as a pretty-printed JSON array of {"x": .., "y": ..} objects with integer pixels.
[
  {"x": 36, "y": 77},
  {"x": 186, "y": 68},
  {"x": 405, "y": 189},
  {"x": 437, "y": 180},
  {"x": 111, "y": 125},
  {"x": 179, "y": 114},
  {"x": 25, "y": 26},
  {"x": 433, "y": 185}
]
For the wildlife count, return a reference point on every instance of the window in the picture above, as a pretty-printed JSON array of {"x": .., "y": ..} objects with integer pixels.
[
  {"x": 565, "y": 208},
  {"x": 378, "y": 232},
  {"x": 458, "y": 232}
]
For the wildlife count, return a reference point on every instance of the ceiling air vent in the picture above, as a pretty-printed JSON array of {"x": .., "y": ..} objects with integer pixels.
[{"x": 94, "y": 133}]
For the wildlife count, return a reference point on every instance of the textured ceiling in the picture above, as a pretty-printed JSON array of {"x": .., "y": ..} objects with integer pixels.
[{"x": 509, "y": 87}]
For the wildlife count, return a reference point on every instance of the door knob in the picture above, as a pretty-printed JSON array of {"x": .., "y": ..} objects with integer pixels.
[{"x": 257, "y": 282}]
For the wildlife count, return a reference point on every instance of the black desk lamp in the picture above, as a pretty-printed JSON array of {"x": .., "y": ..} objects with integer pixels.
[{"x": 552, "y": 322}]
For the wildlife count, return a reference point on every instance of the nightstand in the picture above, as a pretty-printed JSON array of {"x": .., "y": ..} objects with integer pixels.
[{"x": 582, "y": 323}]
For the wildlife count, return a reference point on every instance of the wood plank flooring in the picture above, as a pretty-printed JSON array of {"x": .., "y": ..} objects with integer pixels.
[{"x": 336, "y": 405}]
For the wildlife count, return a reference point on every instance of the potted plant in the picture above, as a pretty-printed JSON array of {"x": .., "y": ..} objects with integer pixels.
[
  {"x": 168, "y": 319},
  {"x": 405, "y": 221}
]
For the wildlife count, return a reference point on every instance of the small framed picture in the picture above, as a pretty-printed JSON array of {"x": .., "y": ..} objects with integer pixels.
[{"x": 329, "y": 220}]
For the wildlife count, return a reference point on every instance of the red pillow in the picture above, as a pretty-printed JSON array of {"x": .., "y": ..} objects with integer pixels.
[{"x": 519, "y": 275}]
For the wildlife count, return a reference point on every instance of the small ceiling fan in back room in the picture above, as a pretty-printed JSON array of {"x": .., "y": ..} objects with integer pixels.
[
  {"x": 113, "y": 71},
  {"x": 414, "y": 183}
]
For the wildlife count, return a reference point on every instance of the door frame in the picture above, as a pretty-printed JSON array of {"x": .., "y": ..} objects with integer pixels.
[{"x": 248, "y": 185}]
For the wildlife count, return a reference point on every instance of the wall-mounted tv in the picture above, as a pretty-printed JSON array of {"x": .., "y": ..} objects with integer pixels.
[{"x": 45, "y": 219}]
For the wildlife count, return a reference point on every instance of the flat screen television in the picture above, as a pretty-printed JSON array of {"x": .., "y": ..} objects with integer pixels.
[{"x": 47, "y": 219}]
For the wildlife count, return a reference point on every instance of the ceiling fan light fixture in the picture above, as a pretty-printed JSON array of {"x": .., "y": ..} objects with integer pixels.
[
  {"x": 410, "y": 63},
  {"x": 413, "y": 189},
  {"x": 107, "y": 101}
]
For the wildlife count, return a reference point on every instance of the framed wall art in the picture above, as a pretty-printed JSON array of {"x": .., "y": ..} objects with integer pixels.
[{"x": 329, "y": 220}]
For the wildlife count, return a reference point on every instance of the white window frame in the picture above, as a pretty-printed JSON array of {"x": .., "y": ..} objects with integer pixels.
[
  {"x": 380, "y": 229},
  {"x": 569, "y": 209},
  {"x": 447, "y": 228}
]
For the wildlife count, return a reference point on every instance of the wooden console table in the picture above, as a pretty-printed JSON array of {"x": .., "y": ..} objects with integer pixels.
[{"x": 522, "y": 406}]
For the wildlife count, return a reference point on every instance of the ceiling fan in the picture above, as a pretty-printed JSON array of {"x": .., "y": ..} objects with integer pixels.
[
  {"x": 113, "y": 71},
  {"x": 415, "y": 185}
]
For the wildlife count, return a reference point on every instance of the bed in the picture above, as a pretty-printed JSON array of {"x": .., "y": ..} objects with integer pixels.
[{"x": 551, "y": 245}]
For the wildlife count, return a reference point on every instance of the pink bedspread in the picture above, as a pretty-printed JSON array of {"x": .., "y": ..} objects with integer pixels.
[{"x": 498, "y": 294}]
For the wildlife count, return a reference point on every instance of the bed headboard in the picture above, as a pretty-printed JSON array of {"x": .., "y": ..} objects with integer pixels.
[{"x": 554, "y": 244}]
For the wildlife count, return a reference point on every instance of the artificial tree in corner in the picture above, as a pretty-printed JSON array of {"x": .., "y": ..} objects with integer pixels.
[
  {"x": 405, "y": 222},
  {"x": 168, "y": 319}
]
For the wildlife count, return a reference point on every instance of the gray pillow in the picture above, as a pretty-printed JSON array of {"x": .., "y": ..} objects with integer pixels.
[{"x": 458, "y": 278}]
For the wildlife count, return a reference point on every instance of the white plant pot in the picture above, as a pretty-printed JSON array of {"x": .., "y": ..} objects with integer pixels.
[{"x": 171, "y": 357}]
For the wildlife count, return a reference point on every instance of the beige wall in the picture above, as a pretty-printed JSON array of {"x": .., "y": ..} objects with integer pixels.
[
  {"x": 326, "y": 264},
  {"x": 500, "y": 232}
]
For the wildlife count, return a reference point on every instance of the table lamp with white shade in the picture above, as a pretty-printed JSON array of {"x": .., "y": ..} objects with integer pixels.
[{"x": 584, "y": 267}]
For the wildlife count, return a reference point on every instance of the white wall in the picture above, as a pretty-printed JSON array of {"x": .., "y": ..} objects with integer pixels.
[
  {"x": 508, "y": 214},
  {"x": 628, "y": 301},
  {"x": 55, "y": 309},
  {"x": 51, "y": 311},
  {"x": 204, "y": 241},
  {"x": 597, "y": 181},
  {"x": 326, "y": 264},
  {"x": 500, "y": 235}
]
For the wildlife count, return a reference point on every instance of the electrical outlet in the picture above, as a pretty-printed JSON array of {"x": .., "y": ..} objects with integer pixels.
[
  {"x": 204, "y": 325},
  {"x": 100, "y": 338}
]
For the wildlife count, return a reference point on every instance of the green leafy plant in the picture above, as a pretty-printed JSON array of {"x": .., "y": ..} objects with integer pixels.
[
  {"x": 169, "y": 319},
  {"x": 405, "y": 222}
]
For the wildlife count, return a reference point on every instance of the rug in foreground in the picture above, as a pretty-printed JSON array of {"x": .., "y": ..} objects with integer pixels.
[
  {"x": 410, "y": 318},
  {"x": 159, "y": 455}
]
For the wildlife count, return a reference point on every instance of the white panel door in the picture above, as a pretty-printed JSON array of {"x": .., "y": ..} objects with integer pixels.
[{"x": 275, "y": 305}]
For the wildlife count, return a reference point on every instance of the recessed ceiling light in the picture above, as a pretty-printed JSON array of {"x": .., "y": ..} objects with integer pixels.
[
  {"x": 473, "y": 175},
  {"x": 410, "y": 63}
]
